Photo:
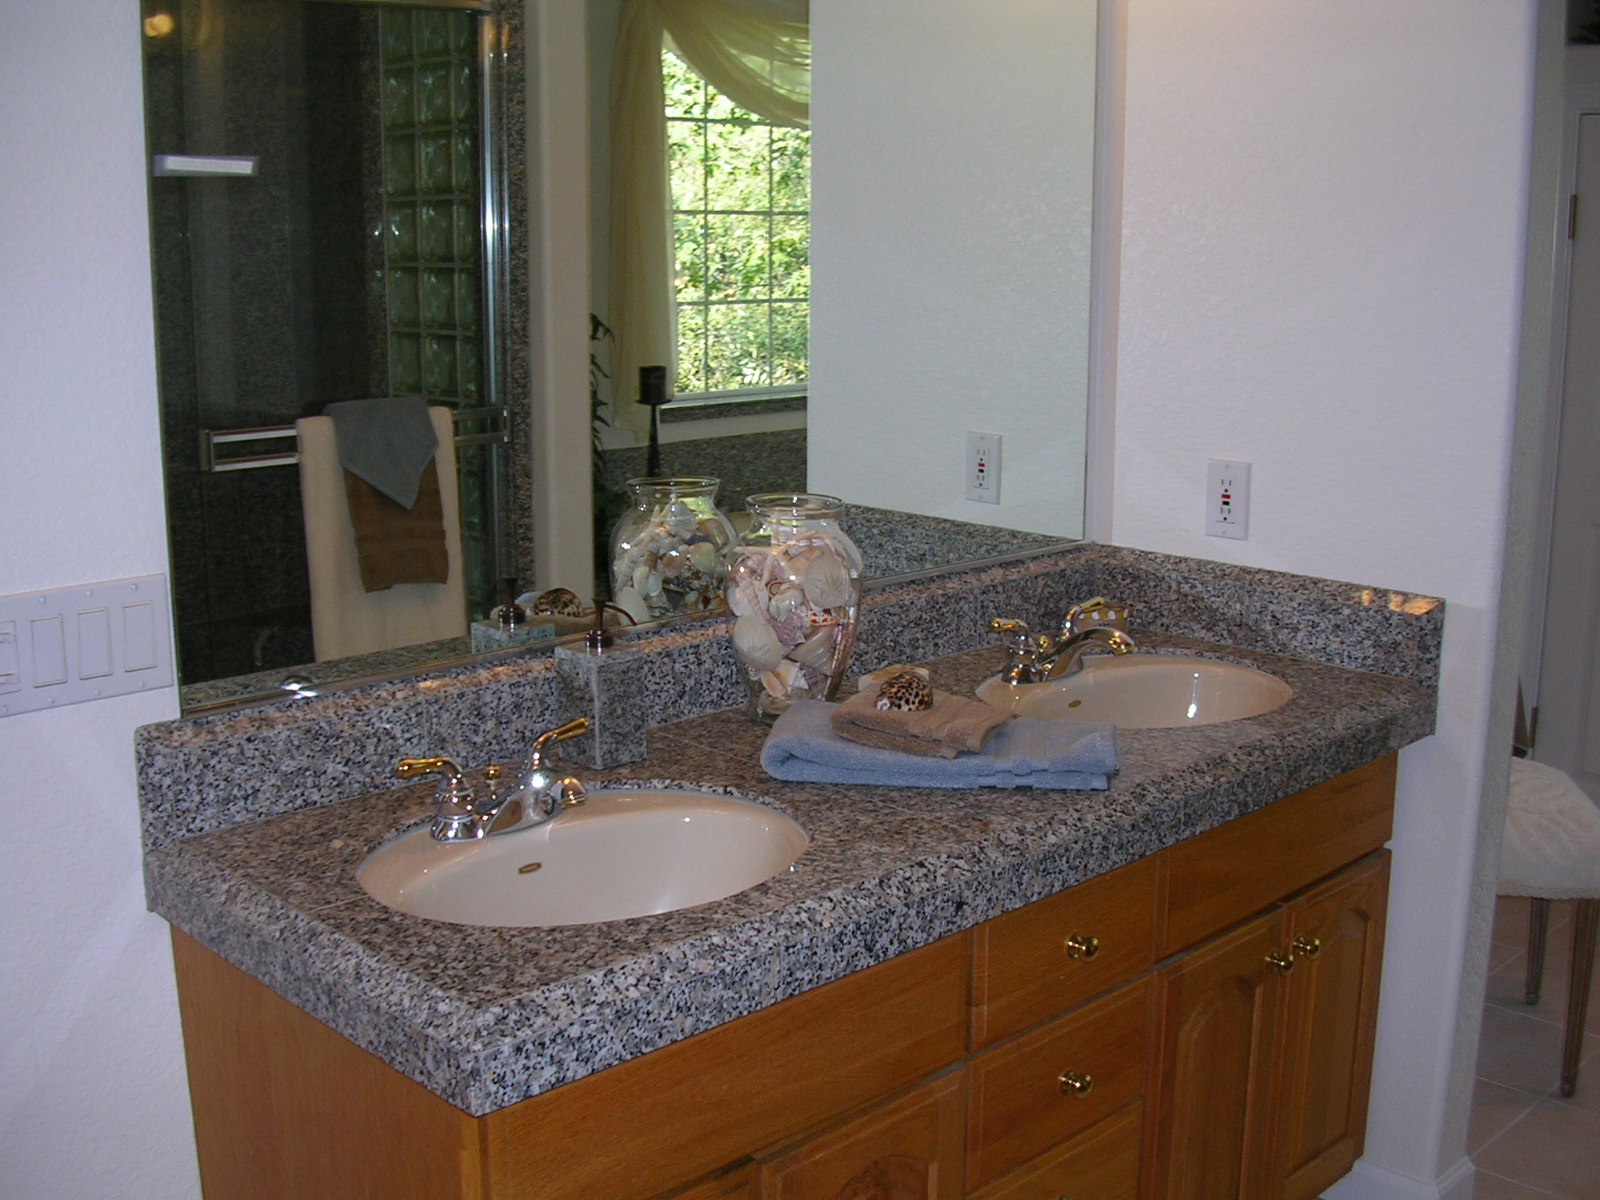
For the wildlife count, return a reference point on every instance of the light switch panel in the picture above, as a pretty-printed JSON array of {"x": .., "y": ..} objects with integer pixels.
[{"x": 81, "y": 643}]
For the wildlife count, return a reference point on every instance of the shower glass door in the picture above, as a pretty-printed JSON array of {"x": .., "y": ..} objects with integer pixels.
[{"x": 326, "y": 223}]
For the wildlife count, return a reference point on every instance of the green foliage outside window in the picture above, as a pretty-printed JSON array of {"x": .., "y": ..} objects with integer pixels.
[{"x": 741, "y": 191}]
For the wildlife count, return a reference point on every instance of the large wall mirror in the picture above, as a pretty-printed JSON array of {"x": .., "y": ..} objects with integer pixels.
[{"x": 340, "y": 211}]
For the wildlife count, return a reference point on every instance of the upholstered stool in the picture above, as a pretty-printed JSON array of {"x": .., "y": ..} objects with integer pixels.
[{"x": 1552, "y": 852}]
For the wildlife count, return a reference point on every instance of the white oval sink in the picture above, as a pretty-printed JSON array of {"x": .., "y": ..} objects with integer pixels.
[
  {"x": 619, "y": 854},
  {"x": 1145, "y": 691}
]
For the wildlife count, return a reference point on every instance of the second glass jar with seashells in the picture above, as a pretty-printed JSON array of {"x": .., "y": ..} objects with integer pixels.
[
  {"x": 667, "y": 551},
  {"x": 794, "y": 585}
]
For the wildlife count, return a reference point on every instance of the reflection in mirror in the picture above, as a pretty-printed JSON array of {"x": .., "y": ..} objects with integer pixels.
[
  {"x": 378, "y": 135},
  {"x": 325, "y": 211}
]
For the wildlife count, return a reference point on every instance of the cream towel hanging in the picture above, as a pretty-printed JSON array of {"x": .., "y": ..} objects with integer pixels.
[{"x": 345, "y": 618}]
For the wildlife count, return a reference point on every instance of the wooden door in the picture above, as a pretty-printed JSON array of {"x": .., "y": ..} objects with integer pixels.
[
  {"x": 733, "y": 1184},
  {"x": 1335, "y": 932},
  {"x": 907, "y": 1149},
  {"x": 1568, "y": 699},
  {"x": 1219, "y": 1012}
]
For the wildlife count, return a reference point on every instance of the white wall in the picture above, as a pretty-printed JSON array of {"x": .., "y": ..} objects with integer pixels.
[
  {"x": 1320, "y": 274},
  {"x": 92, "y": 1096},
  {"x": 951, "y": 185}
]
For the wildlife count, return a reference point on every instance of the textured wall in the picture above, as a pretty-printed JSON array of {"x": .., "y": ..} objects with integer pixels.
[
  {"x": 950, "y": 252},
  {"x": 1321, "y": 270},
  {"x": 92, "y": 1093}
]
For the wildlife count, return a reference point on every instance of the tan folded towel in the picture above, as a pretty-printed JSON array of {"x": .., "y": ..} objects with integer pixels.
[
  {"x": 954, "y": 724},
  {"x": 395, "y": 544}
]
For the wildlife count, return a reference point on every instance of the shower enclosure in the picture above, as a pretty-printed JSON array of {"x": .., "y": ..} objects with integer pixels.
[{"x": 328, "y": 223}]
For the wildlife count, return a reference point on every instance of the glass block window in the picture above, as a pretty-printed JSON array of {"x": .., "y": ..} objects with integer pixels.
[
  {"x": 432, "y": 204},
  {"x": 741, "y": 197},
  {"x": 433, "y": 245}
]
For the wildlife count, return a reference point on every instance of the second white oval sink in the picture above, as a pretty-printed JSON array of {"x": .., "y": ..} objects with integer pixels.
[
  {"x": 1145, "y": 691},
  {"x": 619, "y": 854}
]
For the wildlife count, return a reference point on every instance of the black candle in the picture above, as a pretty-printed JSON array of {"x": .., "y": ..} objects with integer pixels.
[{"x": 653, "y": 386}]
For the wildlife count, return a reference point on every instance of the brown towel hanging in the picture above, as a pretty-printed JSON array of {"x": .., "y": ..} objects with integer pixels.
[{"x": 394, "y": 544}]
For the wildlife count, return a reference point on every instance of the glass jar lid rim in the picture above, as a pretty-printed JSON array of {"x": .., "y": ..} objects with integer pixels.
[
  {"x": 794, "y": 505},
  {"x": 674, "y": 483}
]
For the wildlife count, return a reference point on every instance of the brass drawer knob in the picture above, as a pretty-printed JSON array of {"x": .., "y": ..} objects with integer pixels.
[
  {"x": 1075, "y": 1084},
  {"x": 1281, "y": 963},
  {"x": 1307, "y": 947},
  {"x": 1083, "y": 947}
]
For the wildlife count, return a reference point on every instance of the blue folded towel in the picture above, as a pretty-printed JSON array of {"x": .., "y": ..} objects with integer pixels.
[
  {"x": 1074, "y": 756},
  {"x": 389, "y": 443}
]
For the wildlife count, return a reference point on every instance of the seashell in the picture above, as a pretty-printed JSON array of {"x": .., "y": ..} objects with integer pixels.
[
  {"x": 785, "y": 679},
  {"x": 905, "y": 692},
  {"x": 678, "y": 517},
  {"x": 744, "y": 596},
  {"x": 632, "y": 603},
  {"x": 822, "y": 616},
  {"x": 558, "y": 602},
  {"x": 826, "y": 582},
  {"x": 646, "y": 582},
  {"x": 755, "y": 643},
  {"x": 784, "y": 601},
  {"x": 816, "y": 651},
  {"x": 704, "y": 557}
]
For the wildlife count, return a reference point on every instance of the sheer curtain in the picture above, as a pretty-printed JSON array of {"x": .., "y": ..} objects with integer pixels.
[{"x": 755, "y": 52}]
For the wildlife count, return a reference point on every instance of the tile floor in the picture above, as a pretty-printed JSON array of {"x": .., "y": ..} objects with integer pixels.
[{"x": 1526, "y": 1141}]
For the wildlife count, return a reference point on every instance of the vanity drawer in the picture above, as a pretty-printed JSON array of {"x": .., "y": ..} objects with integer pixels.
[
  {"x": 1021, "y": 1106},
  {"x": 1221, "y": 877},
  {"x": 1099, "y": 1164},
  {"x": 1036, "y": 962}
]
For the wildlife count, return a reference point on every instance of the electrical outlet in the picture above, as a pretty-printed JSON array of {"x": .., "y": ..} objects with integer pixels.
[
  {"x": 983, "y": 467},
  {"x": 1227, "y": 498}
]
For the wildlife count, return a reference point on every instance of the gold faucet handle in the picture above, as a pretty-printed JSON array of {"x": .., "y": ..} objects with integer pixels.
[
  {"x": 1021, "y": 637},
  {"x": 561, "y": 733},
  {"x": 410, "y": 768},
  {"x": 1098, "y": 613}
]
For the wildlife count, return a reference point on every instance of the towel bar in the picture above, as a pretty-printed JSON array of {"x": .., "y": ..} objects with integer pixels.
[{"x": 215, "y": 459}]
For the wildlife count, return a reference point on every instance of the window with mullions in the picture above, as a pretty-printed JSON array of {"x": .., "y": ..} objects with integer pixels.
[{"x": 741, "y": 200}]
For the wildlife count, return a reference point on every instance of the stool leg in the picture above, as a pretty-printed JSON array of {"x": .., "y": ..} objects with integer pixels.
[
  {"x": 1585, "y": 927},
  {"x": 1538, "y": 927}
]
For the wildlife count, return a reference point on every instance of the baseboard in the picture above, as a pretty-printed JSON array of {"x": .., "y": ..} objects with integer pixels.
[{"x": 1369, "y": 1182}]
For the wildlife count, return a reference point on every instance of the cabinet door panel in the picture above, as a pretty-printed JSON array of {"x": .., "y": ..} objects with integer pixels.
[
  {"x": 1219, "y": 1012},
  {"x": 1021, "y": 1108},
  {"x": 728, "y": 1185},
  {"x": 1326, "y": 1065},
  {"x": 908, "y": 1149},
  {"x": 1100, "y": 1164}
]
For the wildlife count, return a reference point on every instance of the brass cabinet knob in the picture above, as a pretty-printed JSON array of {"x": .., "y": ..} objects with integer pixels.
[
  {"x": 1307, "y": 947},
  {"x": 1083, "y": 947},
  {"x": 1074, "y": 1083},
  {"x": 1281, "y": 963}
]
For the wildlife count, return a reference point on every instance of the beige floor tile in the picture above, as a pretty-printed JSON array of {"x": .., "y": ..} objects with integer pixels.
[
  {"x": 1507, "y": 982},
  {"x": 1520, "y": 1051},
  {"x": 1494, "y": 1108},
  {"x": 1555, "y": 1147},
  {"x": 1495, "y": 1187}
]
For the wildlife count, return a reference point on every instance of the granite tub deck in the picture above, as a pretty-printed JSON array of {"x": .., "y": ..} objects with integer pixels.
[{"x": 487, "y": 1017}]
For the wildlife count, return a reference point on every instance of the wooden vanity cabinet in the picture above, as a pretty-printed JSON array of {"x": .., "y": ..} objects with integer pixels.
[
  {"x": 1259, "y": 1079},
  {"x": 906, "y": 1149},
  {"x": 1128, "y": 1039}
]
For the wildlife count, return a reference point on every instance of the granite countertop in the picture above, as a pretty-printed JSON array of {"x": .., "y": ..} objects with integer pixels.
[{"x": 486, "y": 1017}]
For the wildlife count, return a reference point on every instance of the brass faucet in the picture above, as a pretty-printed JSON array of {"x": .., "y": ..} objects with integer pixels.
[
  {"x": 1037, "y": 657},
  {"x": 539, "y": 793}
]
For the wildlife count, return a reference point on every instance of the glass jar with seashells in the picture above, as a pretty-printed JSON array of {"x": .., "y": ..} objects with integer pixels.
[
  {"x": 668, "y": 550},
  {"x": 794, "y": 585}
]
